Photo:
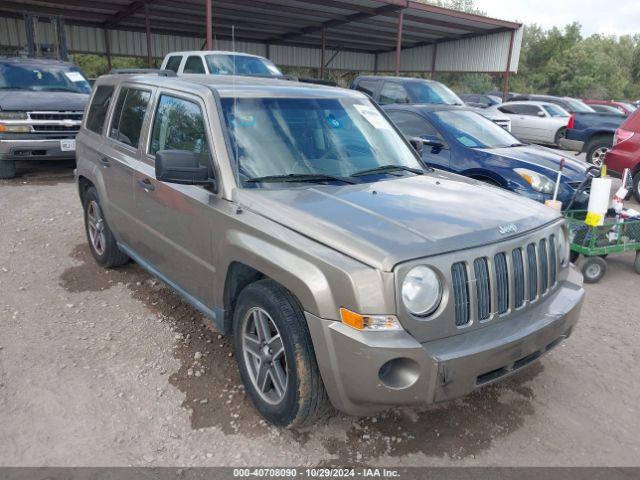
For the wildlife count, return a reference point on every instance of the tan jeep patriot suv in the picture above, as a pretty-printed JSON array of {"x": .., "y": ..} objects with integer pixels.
[{"x": 300, "y": 221}]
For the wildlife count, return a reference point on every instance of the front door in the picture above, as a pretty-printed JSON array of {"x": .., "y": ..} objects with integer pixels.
[{"x": 177, "y": 223}]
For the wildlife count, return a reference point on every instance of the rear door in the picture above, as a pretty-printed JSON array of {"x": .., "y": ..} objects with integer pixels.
[
  {"x": 176, "y": 223},
  {"x": 120, "y": 152},
  {"x": 110, "y": 174}
]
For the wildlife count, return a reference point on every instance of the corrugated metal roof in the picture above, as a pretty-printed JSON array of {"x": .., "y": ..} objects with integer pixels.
[{"x": 359, "y": 29}]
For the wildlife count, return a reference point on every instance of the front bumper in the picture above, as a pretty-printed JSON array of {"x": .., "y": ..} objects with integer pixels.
[
  {"x": 25, "y": 148},
  {"x": 573, "y": 145},
  {"x": 351, "y": 362}
]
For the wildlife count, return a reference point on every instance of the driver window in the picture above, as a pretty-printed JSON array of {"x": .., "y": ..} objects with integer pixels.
[
  {"x": 179, "y": 125},
  {"x": 393, "y": 93}
]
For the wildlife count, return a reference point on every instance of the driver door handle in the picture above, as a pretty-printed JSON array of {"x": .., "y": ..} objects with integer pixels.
[
  {"x": 105, "y": 162},
  {"x": 146, "y": 184}
]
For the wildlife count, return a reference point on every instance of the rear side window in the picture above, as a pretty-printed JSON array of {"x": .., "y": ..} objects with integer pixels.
[
  {"x": 193, "y": 65},
  {"x": 128, "y": 116},
  {"x": 98, "y": 108},
  {"x": 393, "y": 93},
  {"x": 367, "y": 86},
  {"x": 179, "y": 125},
  {"x": 173, "y": 63},
  {"x": 411, "y": 125}
]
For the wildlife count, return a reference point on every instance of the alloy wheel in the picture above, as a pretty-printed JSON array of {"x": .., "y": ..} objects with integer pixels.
[
  {"x": 264, "y": 355},
  {"x": 597, "y": 157},
  {"x": 96, "y": 227}
]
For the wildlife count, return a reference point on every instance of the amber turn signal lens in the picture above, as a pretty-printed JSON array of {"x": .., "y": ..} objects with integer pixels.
[{"x": 369, "y": 322}]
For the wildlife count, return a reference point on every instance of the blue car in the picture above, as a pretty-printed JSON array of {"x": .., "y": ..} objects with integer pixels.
[{"x": 463, "y": 142}]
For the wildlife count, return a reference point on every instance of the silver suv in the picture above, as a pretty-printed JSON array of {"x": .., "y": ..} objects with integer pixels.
[{"x": 302, "y": 223}]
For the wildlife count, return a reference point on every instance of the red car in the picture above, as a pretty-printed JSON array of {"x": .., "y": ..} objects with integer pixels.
[
  {"x": 626, "y": 150},
  {"x": 623, "y": 107}
]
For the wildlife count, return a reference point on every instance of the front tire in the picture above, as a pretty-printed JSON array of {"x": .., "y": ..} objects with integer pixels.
[
  {"x": 560, "y": 134},
  {"x": 102, "y": 243},
  {"x": 276, "y": 358},
  {"x": 7, "y": 169}
]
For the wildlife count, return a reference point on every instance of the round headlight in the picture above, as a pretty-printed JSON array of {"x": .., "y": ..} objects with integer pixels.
[
  {"x": 563, "y": 247},
  {"x": 421, "y": 290}
]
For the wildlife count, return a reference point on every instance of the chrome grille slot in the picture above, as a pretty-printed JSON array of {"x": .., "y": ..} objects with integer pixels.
[
  {"x": 553, "y": 267},
  {"x": 502, "y": 282},
  {"x": 460, "y": 283},
  {"x": 533, "y": 271},
  {"x": 55, "y": 116},
  {"x": 481, "y": 271},
  {"x": 544, "y": 267},
  {"x": 518, "y": 274}
]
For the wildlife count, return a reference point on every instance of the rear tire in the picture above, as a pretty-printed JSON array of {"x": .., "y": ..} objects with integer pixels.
[
  {"x": 276, "y": 358},
  {"x": 7, "y": 169},
  {"x": 593, "y": 269},
  {"x": 636, "y": 264},
  {"x": 102, "y": 243},
  {"x": 636, "y": 187},
  {"x": 597, "y": 149}
]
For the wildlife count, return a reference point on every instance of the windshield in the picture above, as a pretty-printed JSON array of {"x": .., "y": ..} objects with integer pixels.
[
  {"x": 223, "y": 64},
  {"x": 42, "y": 78},
  {"x": 475, "y": 131},
  {"x": 312, "y": 136},
  {"x": 628, "y": 106},
  {"x": 579, "y": 106},
  {"x": 433, "y": 92},
  {"x": 555, "y": 110}
]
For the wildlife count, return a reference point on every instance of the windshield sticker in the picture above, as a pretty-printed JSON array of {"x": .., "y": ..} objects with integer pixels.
[
  {"x": 373, "y": 117},
  {"x": 333, "y": 122},
  {"x": 74, "y": 76},
  {"x": 243, "y": 120}
]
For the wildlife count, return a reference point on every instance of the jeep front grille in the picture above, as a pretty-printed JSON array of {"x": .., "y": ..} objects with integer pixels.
[{"x": 506, "y": 279}]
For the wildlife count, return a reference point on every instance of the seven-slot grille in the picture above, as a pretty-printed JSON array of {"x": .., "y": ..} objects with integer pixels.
[{"x": 508, "y": 279}]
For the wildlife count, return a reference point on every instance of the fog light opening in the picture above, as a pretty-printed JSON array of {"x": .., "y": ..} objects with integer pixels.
[{"x": 399, "y": 373}]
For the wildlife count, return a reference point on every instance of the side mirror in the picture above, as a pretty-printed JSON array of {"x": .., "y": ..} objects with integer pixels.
[
  {"x": 432, "y": 140},
  {"x": 181, "y": 166},
  {"x": 541, "y": 114},
  {"x": 417, "y": 143}
]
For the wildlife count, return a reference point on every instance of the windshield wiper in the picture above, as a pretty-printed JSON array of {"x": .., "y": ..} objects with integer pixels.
[
  {"x": 518, "y": 144},
  {"x": 300, "y": 177},
  {"x": 388, "y": 168}
]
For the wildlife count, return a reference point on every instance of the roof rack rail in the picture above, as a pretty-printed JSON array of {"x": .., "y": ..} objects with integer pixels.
[{"x": 151, "y": 71}]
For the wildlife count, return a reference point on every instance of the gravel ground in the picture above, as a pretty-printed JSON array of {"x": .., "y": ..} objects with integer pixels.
[{"x": 106, "y": 368}]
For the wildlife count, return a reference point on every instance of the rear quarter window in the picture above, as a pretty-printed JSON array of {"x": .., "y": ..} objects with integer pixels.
[
  {"x": 173, "y": 63},
  {"x": 98, "y": 108}
]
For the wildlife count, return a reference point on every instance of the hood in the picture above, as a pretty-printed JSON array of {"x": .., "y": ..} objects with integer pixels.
[
  {"x": 23, "y": 100},
  {"x": 574, "y": 170},
  {"x": 382, "y": 224}
]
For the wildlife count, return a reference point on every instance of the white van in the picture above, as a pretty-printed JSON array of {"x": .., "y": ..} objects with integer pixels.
[{"x": 220, "y": 63}]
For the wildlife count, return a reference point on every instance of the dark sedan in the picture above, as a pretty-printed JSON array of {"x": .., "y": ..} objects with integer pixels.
[{"x": 464, "y": 142}]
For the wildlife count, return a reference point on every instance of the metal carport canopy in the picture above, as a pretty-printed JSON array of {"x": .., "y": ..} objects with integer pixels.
[{"x": 380, "y": 29}]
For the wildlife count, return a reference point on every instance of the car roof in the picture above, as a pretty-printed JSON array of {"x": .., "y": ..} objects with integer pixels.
[
  {"x": 44, "y": 62},
  {"x": 529, "y": 102},
  {"x": 229, "y": 85},
  {"x": 212, "y": 52},
  {"x": 391, "y": 77},
  {"x": 426, "y": 107}
]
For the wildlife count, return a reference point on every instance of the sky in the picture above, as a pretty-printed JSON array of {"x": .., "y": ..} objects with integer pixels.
[{"x": 609, "y": 17}]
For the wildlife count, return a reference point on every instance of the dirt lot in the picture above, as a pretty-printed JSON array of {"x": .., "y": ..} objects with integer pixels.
[{"x": 111, "y": 368}]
